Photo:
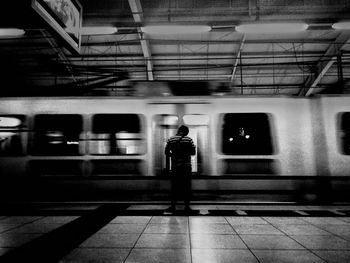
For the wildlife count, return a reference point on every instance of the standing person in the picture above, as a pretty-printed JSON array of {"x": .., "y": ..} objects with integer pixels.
[{"x": 180, "y": 148}]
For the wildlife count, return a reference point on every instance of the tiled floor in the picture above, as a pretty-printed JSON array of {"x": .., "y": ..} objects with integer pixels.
[{"x": 194, "y": 238}]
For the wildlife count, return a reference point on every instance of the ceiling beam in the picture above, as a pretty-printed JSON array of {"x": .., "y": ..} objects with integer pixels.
[
  {"x": 172, "y": 42},
  {"x": 136, "y": 9},
  {"x": 238, "y": 55},
  {"x": 197, "y": 55},
  {"x": 329, "y": 57}
]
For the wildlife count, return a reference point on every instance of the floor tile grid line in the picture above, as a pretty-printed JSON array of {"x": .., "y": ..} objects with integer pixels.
[
  {"x": 138, "y": 239},
  {"x": 312, "y": 252},
  {"x": 263, "y": 218},
  {"x": 342, "y": 219},
  {"x": 11, "y": 229},
  {"x": 242, "y": 240},
  {"x": 32, "y": 221},
  {"x": 307, "y": 223},
  {"x": 20, "y": 225},
  {"x": 189, "y": 236},
  {"x": 347, "y": 240},
  {"x": 303, "y": 219}
]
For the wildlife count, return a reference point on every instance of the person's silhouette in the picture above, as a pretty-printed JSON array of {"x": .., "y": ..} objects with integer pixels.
[{"x": 180, "y": 148}]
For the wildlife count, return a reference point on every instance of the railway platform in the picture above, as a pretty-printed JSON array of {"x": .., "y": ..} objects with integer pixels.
[{"x": 145, "y": 232}]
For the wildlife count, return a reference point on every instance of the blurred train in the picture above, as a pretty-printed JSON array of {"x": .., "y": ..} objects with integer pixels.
[{"x": 108, "y": 148}]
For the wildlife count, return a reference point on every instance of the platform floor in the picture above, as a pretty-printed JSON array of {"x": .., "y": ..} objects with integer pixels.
[{"x": 146, "y": 233}]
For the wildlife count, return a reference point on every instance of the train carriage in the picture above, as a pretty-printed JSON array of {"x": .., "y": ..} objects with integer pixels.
[{"x": 102, "y": 147}]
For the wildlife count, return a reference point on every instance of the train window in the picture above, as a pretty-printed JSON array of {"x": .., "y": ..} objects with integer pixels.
[
  {"x": 116, "y": 134},
  {"x": 246, "y": 134},
  {"x": 57, "y": 134},
  {"x": 12, "y": 135},
  {"x": 345, "y": 133}
]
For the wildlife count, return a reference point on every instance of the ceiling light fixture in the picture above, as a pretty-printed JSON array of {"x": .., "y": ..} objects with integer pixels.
[
  {"x": 272, "y": 28},
  {"x": 342, "y": 25},
  {"x": 175, "y": 29},
  {"x": 98, "y": 30},
  {"x": 11, "y": 32}
]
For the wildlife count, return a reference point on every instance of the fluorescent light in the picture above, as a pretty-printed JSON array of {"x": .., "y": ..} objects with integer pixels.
[
  {"x": 98, "y": 30},
  {"x": 175, "y": 29},
  {"x": 342, "y": 25},
  {"x": 271, "y": 28},
  {"x": 11, "y": 32}
]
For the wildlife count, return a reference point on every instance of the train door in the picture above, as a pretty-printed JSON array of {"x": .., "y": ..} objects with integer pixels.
[
  {"x": 198, "y": 125},
  {"x": 166, "y": 125}
]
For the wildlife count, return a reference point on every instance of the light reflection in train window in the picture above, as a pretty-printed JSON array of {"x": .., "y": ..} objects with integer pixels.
[
  {"x": 168, "y": 120},
  {"x": 57, "y": 134},
  {"x": 344, "y": 133},
  {"x": 116, "y": 134},
  {"x": 13, "y": 135},
  {"x": 246, "y": 134},
  {"x": 196, "y": 119}
]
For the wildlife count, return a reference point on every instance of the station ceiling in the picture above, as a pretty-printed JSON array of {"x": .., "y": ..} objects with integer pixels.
[{"x": 300, "y": 64}]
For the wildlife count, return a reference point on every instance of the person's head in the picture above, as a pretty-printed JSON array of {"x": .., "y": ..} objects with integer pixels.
[{"x": 183, "y": 130}]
